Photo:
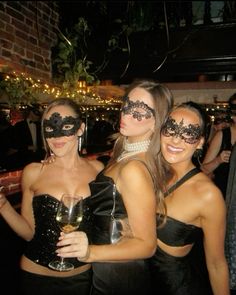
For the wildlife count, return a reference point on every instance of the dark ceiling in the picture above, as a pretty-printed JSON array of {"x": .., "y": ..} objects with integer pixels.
[{"x": 157, "y": 46}]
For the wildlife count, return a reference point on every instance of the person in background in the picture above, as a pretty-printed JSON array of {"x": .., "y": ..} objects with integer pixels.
[
  {"x": 219, "y": 123},
  {"x": 43, "y": 184},
  {"x": 230, "y": 240},
  {"x": 26, "y": 140},
  {"x": 216, "y": 160},
  {"x": 124, "y": 197},
  {"x": 5, "y": 135},
  {"x": 100, "y": 133},
  {"x": 195, "y": 211}
]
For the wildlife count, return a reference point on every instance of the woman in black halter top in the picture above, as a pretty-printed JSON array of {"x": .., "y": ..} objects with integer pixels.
[
  {"x": 126, "y": 190},
  {"x": 196, "y": 216},
  {"x": 42, "y": 187}
]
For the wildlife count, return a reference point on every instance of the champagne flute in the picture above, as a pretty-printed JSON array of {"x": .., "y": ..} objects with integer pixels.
[{"x": 69, "y": 216}]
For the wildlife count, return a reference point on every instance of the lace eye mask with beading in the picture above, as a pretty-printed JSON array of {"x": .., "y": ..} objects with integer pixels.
[
  {"x": 56, "y": 126},
  {"x": 137, "y": 109},
  {"x": 190, "y": 133}
]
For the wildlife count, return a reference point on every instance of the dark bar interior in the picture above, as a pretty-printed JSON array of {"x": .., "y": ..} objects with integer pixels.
[{"x": 90, "y": 51}]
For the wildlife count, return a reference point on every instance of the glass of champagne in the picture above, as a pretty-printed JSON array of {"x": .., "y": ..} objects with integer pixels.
[{"x": 69, "y": 216}]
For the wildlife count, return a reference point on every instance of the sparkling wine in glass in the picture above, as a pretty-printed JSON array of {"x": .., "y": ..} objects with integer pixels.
[{"x": 69, "y": 216}]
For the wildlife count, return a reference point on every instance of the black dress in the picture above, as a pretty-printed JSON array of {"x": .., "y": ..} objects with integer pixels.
[
  {"x": 186, "y": 275},
  {"x": 119, "y": 277},
  {"x": 223, "y": 168},
  {"x": 41, "y": 250}
]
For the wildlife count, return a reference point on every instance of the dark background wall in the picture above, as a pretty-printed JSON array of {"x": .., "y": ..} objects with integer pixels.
[{"x": 168, "y": 40}]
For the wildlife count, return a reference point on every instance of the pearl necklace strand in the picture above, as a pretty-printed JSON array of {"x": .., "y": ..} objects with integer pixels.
[{"x": 131, "y": 149}]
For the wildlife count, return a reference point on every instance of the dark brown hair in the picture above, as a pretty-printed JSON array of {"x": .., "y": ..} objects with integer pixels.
[{"x": 159, "y": 169}]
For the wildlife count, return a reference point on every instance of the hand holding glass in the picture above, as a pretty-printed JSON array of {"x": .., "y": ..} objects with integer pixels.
[{"x": 69, "y": 216}]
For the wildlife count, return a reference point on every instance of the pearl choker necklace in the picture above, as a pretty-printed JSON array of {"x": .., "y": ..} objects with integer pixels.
[
  {"x": 134, "y": 148},
  {"x": 139, "y": 146}
]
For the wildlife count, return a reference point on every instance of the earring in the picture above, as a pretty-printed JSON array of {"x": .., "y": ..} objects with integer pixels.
[
  {"x": 80, "y": 143},
  {"x": 198, "y": 153}
]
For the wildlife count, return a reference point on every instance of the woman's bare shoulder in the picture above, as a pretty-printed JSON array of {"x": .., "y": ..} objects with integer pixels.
[
  {"x": 206, "y": 190},
  {"x": 98, "y": 165},
  {"x": 135, "y": 169},
  {"x": 32, "y": 170}
]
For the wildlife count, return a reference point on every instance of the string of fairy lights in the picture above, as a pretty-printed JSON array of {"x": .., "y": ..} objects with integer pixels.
[
  {"x": 23, "y": 89},
  {"x": 219, "y": 110}
]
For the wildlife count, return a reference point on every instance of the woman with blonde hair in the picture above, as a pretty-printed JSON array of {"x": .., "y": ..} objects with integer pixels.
[{"x": 42, "y": 188}]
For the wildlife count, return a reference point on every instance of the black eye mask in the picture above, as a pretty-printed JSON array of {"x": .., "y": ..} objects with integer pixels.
[
  {"x": 56, "y": 126},
  {"x": 190, "y": 133},
  {"x": 137, "y": 109}
]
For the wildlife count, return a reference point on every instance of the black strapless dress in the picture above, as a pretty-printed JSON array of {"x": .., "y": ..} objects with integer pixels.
[
  {"x": 185, "y": 275},
  {"x": 41, "y": 249},
  {"x": 113, "y": 278}
]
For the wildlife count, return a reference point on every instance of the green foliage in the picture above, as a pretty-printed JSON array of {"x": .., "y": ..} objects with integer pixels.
[
  {"x": 20, "y": 90},
  {"x": 71, "y": 60}
]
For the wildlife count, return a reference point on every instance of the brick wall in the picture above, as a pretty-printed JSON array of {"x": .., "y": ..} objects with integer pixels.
[{"x": 27, "y": 34}]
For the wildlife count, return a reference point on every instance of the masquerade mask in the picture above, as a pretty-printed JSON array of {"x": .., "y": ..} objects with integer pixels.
[
  {"x": 190, "y": 133},
  {"x": 137, "y": 109},
  {"x": 56, "y": 126}
]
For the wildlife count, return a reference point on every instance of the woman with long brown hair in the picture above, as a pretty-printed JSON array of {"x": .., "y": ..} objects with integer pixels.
[{"x": 124, "y": 198}]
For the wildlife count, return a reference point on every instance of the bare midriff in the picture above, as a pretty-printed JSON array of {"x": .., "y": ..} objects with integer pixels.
[{"x": 29, "y": 266}]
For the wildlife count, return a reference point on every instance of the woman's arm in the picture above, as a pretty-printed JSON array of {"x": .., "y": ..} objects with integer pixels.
[
  {"x": 213, "y": 223},
  {"x": 21, "y": 224},
  {"x": 136, "y": 187},
  {"x": 212, "y": 160}
]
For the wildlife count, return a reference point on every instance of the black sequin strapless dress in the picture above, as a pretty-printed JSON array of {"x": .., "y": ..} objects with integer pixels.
[
  {"x": 41, "y": 249},
  {"x": 113, "y": 278},
  {"x": 185, "y": 275}
]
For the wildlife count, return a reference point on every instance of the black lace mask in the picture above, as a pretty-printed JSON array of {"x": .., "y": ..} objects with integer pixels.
[
  {"x": 56, "y": 126},
  {"x": 190, "y": 133},
  {"x": 137, "y": 109}
]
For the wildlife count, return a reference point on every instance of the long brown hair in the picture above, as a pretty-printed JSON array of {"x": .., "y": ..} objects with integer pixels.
[{"x": 159, "y": 169}]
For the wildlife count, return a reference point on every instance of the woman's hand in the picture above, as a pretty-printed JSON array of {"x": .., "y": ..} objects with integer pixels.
[
  {"x": 224, "y": 156},
  {"x": 74, "y": 244},
  {"x": 49, "y": 160}
]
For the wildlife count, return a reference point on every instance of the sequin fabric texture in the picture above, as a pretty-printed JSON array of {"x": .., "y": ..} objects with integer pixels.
[{"x": 41, "y": 249}]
